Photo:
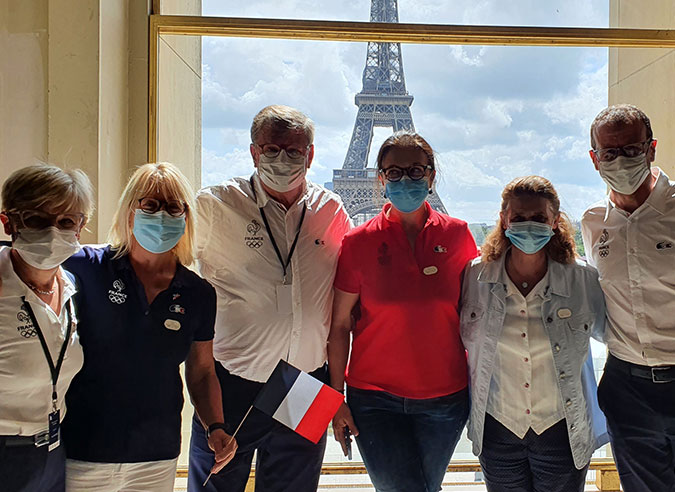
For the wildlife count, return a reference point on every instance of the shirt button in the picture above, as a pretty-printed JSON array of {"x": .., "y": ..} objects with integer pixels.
[
  {"x": 568, "y": 403},
  {"x": 527, "y": 385},
  {"x": 556, "y": 347},
  {"x": 549, "y": 320},
  {"x": 526, "y": 359},
  {"x": 572, "y": 427},
  {"x": 522, "y": 311},
  {"x": 147, "y": 312},
  {"x": 523, "y": 335},
  {"x": 562, "y": 375},
  {"x": 527, "y": 411}
]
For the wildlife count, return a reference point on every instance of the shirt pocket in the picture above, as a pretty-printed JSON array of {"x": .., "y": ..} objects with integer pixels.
[
  {"x": 470, "y": 321},
  {"x": 580, "y": 327}
]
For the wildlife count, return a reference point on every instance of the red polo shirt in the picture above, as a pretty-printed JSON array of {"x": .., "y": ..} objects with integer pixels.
[{"x": 406, "y": 341}]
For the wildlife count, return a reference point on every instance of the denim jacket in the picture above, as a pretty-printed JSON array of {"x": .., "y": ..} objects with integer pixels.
[{"x": 573, "y": 309}]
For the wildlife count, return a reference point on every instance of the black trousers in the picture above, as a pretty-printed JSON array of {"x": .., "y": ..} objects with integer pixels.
[
  {"x": 286, "y": 461},
  {"x": 31, "y": 469},
  {"x": 641, "y": 422}
]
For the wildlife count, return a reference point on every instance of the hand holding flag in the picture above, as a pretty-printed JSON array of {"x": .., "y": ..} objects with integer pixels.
[{"x": 299, "y": 401}]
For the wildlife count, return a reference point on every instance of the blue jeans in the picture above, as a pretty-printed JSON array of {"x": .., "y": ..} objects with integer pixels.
[
  {"x": 535, "y": 463},
  {"x": 406, "y": 444},
  {"x": 641, "y": 421}
]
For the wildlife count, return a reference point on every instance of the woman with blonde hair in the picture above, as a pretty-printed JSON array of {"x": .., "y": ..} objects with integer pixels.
[
  {"x": 528, "y": 309},
  {"x": 142, "y": 313},
  {"x": 44, "y": 208}
]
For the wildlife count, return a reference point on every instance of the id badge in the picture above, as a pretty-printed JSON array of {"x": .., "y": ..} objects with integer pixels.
[
  {"x": 54, "y": 430},
  {"x": 284, "y": 299}
]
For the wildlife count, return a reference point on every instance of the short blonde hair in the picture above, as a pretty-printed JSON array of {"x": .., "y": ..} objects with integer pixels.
[
  {"x": 149, "y": 179},
  {"x": 278, "y": 120},
  {"x": 560, "y": 248},
  {"x": 48, "y": 188}
]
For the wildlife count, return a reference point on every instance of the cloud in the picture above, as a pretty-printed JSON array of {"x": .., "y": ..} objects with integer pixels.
[{"x": 492, "y": 113}]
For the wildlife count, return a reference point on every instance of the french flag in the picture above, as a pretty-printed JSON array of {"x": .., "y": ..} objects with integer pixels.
[{"x": 298, "y": 401}]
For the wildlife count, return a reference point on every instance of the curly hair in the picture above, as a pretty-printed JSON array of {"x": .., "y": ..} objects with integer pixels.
[{"x": 560, "y": 248}]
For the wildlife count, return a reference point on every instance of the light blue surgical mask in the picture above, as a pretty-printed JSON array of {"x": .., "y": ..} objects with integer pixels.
[
  {"x": 158, "y": 232},
  {"x": 529, "y": 237},
  {"x": 407, "y": 195}
]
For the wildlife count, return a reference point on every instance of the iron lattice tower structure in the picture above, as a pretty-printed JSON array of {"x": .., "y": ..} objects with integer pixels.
[{"x": 383, "y": 101}]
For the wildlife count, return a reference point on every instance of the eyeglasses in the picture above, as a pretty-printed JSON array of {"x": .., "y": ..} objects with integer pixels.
[
  {"x": 395, "y": 173},
  {"x": 630, "y": 150},
  {"x": 37, "y": 219},
  {"x": 150, "y": 205},
  {"x": 273, "y": 150}
]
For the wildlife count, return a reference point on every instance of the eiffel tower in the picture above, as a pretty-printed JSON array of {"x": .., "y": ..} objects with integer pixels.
[{"x": 383, "y": 101}]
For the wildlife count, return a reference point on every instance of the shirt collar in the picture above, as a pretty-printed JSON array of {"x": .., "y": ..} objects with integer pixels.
[
  {"x": 495, "y": 272},
  {"x": 262, "y": 198},
  {"x": 123, "y": 263},
  {"x": 658, "y": 197},
  {"x": 12, "y": 285},
  {"x": 433, "y": 217}
]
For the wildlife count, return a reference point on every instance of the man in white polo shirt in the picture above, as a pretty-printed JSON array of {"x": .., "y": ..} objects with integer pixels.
[
  {"x": 630, "y": 238},
  {"x": 268, "y": 243}
]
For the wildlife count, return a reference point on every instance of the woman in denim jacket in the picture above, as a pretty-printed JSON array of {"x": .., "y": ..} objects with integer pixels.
[{"x": 528, "y": 311}]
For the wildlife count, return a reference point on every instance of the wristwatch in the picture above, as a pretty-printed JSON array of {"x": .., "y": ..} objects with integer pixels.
[{"x": 214, "y": 426}]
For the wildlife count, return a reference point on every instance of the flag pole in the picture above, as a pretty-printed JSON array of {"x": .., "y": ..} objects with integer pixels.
[{"x": 231, "y": 438}]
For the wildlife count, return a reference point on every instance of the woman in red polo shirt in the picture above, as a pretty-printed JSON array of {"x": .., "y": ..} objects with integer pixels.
[{"x": 407, "y": 398}]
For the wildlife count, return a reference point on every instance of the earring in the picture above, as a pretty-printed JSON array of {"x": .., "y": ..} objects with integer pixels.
[{"x": 431, "y": 192}]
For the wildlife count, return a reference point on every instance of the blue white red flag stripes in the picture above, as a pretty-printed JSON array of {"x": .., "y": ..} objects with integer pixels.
[{"x": 298, "y": 401}]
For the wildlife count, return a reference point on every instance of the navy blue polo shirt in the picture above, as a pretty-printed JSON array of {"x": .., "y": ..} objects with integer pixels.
[{"x": 125, "y": 404}]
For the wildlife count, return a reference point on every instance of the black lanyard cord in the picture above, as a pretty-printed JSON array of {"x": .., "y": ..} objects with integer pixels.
[
  {"x": 53, "y": 369},
  {"x": 284, "y": 265}
]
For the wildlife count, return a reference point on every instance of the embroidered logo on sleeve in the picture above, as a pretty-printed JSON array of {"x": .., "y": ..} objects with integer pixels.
[
  {"x": 117, "y": 296},
  {"x": 603, "y": 249},
  {"x": 26, "y": 328},
  {"x": 440, "y": 249},
  {"x": 252, "y": 240}
]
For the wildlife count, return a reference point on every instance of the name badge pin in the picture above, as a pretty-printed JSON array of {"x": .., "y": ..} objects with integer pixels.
[
  {"x": 172, "y": 324},
  {"x": 430, "y": 270},
  {"x": 564, "y": 313}
]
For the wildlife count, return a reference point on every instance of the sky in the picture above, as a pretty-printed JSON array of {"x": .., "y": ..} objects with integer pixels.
[{"x": 490, "y": 113}]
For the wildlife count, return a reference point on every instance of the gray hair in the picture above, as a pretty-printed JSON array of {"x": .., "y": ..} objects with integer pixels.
[
  {"x": 620, "y": 113},
  {"x": 49, "y": 188},
  {"x": 280, "y": 120}
]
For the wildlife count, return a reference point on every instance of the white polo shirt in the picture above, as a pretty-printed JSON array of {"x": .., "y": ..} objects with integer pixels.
[
  {"x": 25, "y": 379},
  {"x": 258, "y": 322},
  {"x": 524, "y": 390},
  {"x": 635, "y": 257}
]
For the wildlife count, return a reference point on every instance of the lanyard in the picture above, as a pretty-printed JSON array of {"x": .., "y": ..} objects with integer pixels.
[
  {"x": 284, "y": 265},
  {"x": 53, "y": 369}
]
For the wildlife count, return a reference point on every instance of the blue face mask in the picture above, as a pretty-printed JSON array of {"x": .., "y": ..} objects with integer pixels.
[
  {"x": 529, "y": 237},
  {"x": 407, "y": 195},
  {"x": 158, "y": 232}
]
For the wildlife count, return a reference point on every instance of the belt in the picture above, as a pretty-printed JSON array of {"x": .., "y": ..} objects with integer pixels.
[
  {"x": 658, "y": 374},
  {"x": 38, "y": 440}
]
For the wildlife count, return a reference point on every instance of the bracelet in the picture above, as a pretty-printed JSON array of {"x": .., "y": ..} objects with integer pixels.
[{"x": 214, "y": 426}]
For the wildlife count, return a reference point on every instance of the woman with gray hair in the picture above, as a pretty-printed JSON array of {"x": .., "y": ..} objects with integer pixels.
[{"x": 44, "y": 208}]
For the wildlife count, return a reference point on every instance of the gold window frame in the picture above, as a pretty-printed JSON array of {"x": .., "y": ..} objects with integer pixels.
[{"x": 313, "y": 30}]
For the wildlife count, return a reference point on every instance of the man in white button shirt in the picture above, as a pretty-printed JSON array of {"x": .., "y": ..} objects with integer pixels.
[
  {"x": 630, "y": 238},
  {"x": 268, "y": 243}
]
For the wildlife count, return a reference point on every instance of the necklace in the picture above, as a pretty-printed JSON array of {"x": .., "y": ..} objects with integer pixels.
[{"x": 39, "y": 291}]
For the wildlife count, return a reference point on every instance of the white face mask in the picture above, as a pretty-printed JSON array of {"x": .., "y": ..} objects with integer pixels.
[
  {"x": 282, "y": 173},
  {"x": 45, "y": 249},
  {"x": 625, "y": 174}
]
